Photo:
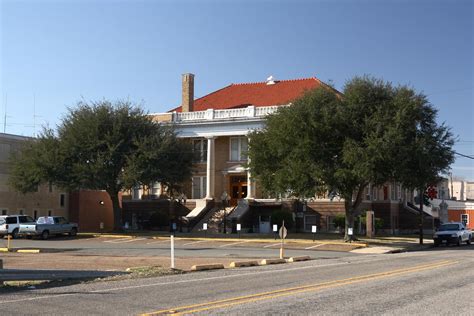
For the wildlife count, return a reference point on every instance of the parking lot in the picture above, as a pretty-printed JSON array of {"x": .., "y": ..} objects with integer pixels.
[{"x": 120, "y": 253}]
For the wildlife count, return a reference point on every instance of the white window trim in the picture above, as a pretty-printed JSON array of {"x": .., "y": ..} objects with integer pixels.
[
  {"x": 467, "y": 215},
  {"x": 239, "y": 149}
]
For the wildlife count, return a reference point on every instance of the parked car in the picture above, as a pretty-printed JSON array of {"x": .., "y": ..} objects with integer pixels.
[
  {"x": 452, "y": 233},
  {"x": 10, "y": 224},
  {"x": 46, "y": 226}
]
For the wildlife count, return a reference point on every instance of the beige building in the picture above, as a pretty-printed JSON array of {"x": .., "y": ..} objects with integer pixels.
[
  {"x": 48, "y": 200},
  {"x": 218, "y": 125}
]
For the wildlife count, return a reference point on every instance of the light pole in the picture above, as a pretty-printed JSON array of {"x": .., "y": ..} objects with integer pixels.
[{"x": 225, "y": 200}]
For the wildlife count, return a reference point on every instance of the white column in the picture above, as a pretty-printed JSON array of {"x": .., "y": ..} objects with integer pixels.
[
  {"x": 250, "y": 195},
  {"x": 210, "y": 170}
]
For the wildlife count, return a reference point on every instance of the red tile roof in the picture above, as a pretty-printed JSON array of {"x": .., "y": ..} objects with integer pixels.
[{"x": 239, "y": 95}]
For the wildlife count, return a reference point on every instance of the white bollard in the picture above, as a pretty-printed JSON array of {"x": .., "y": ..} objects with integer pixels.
[{"x": 172, "y": 252}]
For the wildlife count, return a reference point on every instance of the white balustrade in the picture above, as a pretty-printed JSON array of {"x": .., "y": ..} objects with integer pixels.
[{"x": 211, "y": 114}]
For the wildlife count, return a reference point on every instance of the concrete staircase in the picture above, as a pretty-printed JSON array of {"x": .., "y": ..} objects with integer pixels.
[{"x": 214, "y": 219}]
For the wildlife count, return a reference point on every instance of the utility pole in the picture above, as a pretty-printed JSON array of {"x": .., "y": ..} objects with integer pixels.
[{"x": 421, "y": 195}]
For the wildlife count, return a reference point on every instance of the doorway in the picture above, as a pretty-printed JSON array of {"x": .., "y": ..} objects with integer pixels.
[{"x": 238, "y": 188}]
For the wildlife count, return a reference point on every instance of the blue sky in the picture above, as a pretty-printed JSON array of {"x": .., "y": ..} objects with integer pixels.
[{"x": 55, "y": 53}]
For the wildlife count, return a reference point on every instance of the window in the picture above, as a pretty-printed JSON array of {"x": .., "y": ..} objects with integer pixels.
[
  {"x": 25, "y": 219},
  {"x": 22, "y": 212},
  {"x": 238, "y": 148},
  {"x": 50, "y": 188},
  {"x": 35, "y": 214},
  {"x": 392, "y": 192},
  {"x": 61, "y": 200},
  {"x": 309, "y": 221},
  {"x": 136, "y": 194},
  {"x": 49, "y": 212},
  {"x": 4, "y": 212},
  {"x": 374, "y": 193},
  {"x": 465, "y": 219},
  {"x": 156, "y": 189},
  {"x": 12, "y": 220},
  {"x": 200, "y": 150},
  {"x": 399, "y": 191},
  {"x": 199, "y": 187}
]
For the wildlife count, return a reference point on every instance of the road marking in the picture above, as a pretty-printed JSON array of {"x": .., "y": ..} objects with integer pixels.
[
  {"x": 195, "y": 242},
  {"x": 268, "y": 246},
  {"x": 195, "y": 308},
  {"x": 315, "y": 246},
  {"x": 157, "y": 242},
  {"x": 130, "y": 240},
  {"x": 234, "y": 243},
  {"x": 115, "y": 240}
]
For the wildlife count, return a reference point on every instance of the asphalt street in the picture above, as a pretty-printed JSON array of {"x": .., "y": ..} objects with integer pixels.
[
  {"x": 435, "y": 282},
  {"x": 183, "y": 247}
]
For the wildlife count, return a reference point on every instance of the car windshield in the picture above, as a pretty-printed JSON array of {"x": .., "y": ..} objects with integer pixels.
[{"x": 449, "y": 227}]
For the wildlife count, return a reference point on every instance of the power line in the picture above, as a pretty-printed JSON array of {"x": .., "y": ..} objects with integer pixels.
[{"x": 465, "y": 156}]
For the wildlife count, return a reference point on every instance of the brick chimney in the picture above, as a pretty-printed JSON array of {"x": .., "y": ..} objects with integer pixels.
[{"x": 187, "y": 103}]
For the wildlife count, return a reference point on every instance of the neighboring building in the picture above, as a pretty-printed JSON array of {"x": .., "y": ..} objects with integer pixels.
[
  {"x": 455, "y": 201},
  {"x": 218, "y": 125},
  {"x": 48, "y": 200}
]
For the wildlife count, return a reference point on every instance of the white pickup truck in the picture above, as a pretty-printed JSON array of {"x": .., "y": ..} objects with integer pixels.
[{"x": 452, "y": 233}]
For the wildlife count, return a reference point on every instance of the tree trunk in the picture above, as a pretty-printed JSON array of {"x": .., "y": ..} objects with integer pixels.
[
  {"x": 421, "y": 215},
  {"x": 117, "y": 211},
  {"x": 350, "y": 216}
]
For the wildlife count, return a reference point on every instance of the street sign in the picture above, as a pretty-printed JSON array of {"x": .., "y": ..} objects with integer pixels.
[
  {"x": 283, "y": 232},
  {"x": 275, "y": 228},
  {"x": 238, "y": 227},
  {"x": 313, "y": 229},
  {"x": 350, "y": 231},
  {"x": 204, "y": 226}
]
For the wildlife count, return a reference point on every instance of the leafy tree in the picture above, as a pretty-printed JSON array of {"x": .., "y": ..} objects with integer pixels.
[
  {"x": 327, "y": 141},
  {"x": 427, "y": 150},
  {"x": 103, "y": 146}
]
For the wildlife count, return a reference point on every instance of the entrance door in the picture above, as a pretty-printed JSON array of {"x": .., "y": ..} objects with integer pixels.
[
  {"x": 238, "y": 188},
  {"x": 264, "y": 224}
]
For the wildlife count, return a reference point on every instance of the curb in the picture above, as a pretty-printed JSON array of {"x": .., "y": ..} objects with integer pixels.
[
  {"x": 296, "y": 259},
  {"x": 272, "y": 261},
  {"x": 203, "y": 267},
  {"x": 28, "y": 250},
  {"x": 20, "y": 250},
  {"x": 242, "y": 264}
]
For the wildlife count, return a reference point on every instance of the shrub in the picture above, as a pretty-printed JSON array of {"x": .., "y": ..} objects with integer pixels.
[
  {"x": 158, "y": 219},
  {"x": 340, "y": 221},
  {"x": 279, "y": 216}
]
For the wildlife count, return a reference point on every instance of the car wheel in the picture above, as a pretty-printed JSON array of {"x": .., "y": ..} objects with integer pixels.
[
  {"x": 436, "y": 243},
  {"x": 45, "y": 235},
  {"x": 468, "y": 241},
  {"x": 459, "y": 242},
  {"x": 73, "y": 232},
  {"x": 15, "y": 233}
]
